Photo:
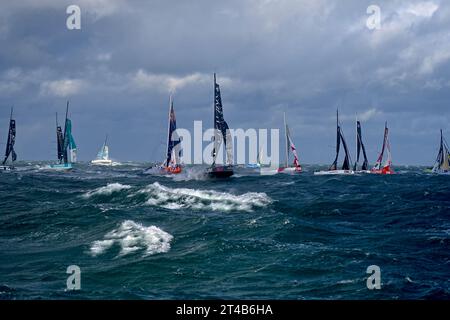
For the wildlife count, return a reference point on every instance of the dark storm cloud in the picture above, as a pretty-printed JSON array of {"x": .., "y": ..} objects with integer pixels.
[{"x": 303, "y": 57}]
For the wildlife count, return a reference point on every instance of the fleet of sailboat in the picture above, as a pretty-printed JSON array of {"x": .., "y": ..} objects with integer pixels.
[
  {"x": 67, "y": 149},
  {"x": 103, "y": 155},
  {"x": 10, "y": 146},
  {"x": 221, "y": 133},
  {"x": 442, "y": 163}
]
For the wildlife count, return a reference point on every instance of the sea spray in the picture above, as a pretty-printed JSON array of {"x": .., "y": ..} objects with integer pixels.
[
  {"x": 107, "y": 190},
  {"x": 184, "y": 198},
  {"x": 131, "y": 237}
]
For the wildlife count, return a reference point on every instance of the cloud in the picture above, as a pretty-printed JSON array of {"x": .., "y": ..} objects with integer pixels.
[
  {"x": 167, "y": 83},
  {"x": 62, "y": 88}
]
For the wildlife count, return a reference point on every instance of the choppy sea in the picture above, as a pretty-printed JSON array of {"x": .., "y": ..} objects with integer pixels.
[{"x": 144, "y": 236}]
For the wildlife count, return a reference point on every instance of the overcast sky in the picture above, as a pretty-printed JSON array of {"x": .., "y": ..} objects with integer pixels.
[{"x": 303, "y": 57}]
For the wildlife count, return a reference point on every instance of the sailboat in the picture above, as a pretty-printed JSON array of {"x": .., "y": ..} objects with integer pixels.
[
  {"x": 333, "y": 170},
  {"x": 258, "y": 163},
  {"x": 221, "y": 132},
  {"x": 66, "y": 147},
  {"x": 296, "y": 168},
  {"x": 360, "y": 147},
  {"x": 103, "y": 155},
  {"x": 171, "y": 164},
  {"x": 387, "y": 166},
  {"x": 10, "y": 145},
  {"x": 442, "y": 164}
]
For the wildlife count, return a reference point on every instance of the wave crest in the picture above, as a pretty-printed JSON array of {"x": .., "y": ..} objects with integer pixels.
[
  {"x": 131, "y": 237},
  {"x": 184, "y": 198},
  {"x": 107, "y": 190}
]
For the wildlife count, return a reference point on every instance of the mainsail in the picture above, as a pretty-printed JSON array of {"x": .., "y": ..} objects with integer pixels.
[
  {"x": 172, "y": 140},
  {"x": 11, "y": 141},
  {"x": 290, "y": 146},
  {"x": 386, "y": 147},
  {"x": 60, "y": 142},
  {"x": 103, "y": 154},
  {"x": 221, "y": 130},
  {"x": 339, "y": 138},
  {"x": 65, "y": 141},
  {"x": 359, "y": 147},
  {"x": 442, "y": 161}
]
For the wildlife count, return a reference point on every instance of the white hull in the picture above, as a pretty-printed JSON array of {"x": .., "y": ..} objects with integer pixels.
[
  {"x": 6, "y": 168},
  {"x": 334, "y": 172},
  {"x": 362, "y": 171},
  {"x": 59, "y": 167},
  {"x": 102, "y": 162},
  {"x": 289, "y": 170},
  {"x": 445, "y": 173}
]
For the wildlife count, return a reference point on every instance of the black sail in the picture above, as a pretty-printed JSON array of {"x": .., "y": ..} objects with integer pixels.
[
  {"x": 220, "y": 125},
  {"x": 360, "y": 147},
  {"x": 346, "y": 163},
  {"x": 11, "y": 141},
  {"x": 60, "y": 141}
]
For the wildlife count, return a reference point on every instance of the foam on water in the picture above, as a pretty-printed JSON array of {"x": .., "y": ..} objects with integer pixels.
[
  {"x": 131, "y": 237},
  {"x": 184, "y": 198},
  {"x": 109, "y": 189}
]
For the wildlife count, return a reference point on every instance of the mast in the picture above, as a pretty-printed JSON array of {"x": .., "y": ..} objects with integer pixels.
[
  {"x": 65, "y": 143},
  {"x": 168, "y": 152},
  {"x": 287, "y": 142},
  {"x": 338, "y": 142},
  {"x": 215, "y": 133},
  {"x": 8, "y": 142},
  {"x": 357, "y": 144}
]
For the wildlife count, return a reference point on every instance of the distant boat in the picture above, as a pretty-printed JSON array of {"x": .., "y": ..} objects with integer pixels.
[
  {"x": 66, "y": 147},
  {"x": 258, "y": 163},
  {"x": 360, "y": 147},
  {"x": 442, "y": 164},
  {"x": 290, "y": 147},
  {"x": 10, "y": 145},
  {"x": 386, "y": 168},
  {"x": 221, "y": 132},
  {"x": 345, "y": 169},
  {"x": 103, "y": 155}
]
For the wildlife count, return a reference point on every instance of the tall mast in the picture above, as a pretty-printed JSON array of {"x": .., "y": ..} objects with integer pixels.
[
  {"x": 65, "y": 122},
  {"x": 286, "y": 137},
  {"x": 167, "y": 155},
  {"x": 214, "y": 101},
  {"x": 214, "y": 121},
  {"x": 357, "y": 141}
]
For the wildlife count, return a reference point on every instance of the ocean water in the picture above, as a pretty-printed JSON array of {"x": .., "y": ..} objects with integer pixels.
[{"x": 142, "y": 236}]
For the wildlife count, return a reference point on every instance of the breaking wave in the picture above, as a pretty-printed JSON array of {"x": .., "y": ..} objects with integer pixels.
[
  {"x": 107, "y": 190},
  {"x": 184, "y": 198},
  {"x": 131, "y": 237}
]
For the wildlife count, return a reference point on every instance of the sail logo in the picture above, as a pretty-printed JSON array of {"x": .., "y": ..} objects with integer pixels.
[{"x": 256, "y": 141}]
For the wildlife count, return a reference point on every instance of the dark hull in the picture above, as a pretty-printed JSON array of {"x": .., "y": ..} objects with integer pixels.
[{"x": 220, "y": 172}]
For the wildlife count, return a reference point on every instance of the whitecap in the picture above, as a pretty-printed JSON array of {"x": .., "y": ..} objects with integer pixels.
[
  {"x": 109, "y": 189},
  {"x": 184, "y": 198},
  {"x": 132, "y": 237}
]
